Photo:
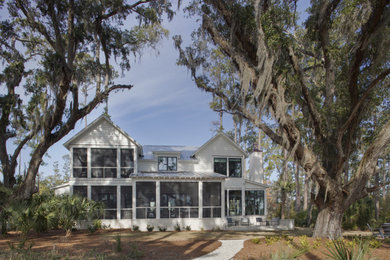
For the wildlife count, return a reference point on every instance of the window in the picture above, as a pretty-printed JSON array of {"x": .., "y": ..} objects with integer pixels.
[
  {"x": 233, "y": 166},
  {"x": 254, "y": 202},
  {"x": 80, "y": 191},
  {"x": 80, "y": 162},
  {"x": 233, "y": 203},
  {"x": 103, "y": 163},
  {"x": 126, "y": 202},
  {"x": 167, "y": 163},
  {"x": 106, "y": 195},
  {"x": 211, "y": 199},
  {"x": 179, "y": 200},
  {"x": 146, "y": 200},
  {"x": 127, "y": 162}
]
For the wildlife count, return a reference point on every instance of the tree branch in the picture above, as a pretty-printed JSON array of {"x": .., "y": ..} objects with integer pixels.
[{"x": 314, "y": 114}]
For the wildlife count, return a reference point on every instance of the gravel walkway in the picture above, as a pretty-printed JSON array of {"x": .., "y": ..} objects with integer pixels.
[{"x": 226, "y": 251}]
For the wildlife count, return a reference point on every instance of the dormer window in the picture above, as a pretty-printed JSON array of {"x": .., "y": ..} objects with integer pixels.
[
  {"x": 231, "y": 167},
  {"x": 167, "y": 163}
]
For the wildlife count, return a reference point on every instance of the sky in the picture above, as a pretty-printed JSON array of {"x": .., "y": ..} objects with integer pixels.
[{"x": 163, "y": 108}]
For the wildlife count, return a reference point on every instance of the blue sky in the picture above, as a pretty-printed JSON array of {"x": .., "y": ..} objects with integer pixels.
[{"x": 164, "y": 108}]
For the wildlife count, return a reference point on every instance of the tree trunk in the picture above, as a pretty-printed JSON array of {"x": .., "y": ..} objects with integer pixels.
[
  {"x": 283, "y": 190},
  {"x": 328, "y": 223},
  {"x": 376, "y": 196},
  {"x": 384, "y": 179},
  {"x": 297, "y": 189},
  {"x": 306, "y": 193}
]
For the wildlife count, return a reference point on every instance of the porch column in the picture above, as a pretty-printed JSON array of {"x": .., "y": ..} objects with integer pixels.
[
  {"x": 133, "y": 199},
  {"x": 89, "y": 157},
  {"x": 135, "y": 156},
  {"x": 118, "y": 166},
  {"x": 228, "y": 203},
  {"x": 243, "y": 200},
  {"x": 118, "y": 202},
  {"x": 89, "y": 192},
  {"x": 157, "y": 199},
  {"x": 223, "y": 200},
  {"x": 200, "y": 195},
  {"x": 265, "y": 202}
]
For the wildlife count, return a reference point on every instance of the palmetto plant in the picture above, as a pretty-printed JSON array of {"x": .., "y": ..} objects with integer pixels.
[
  {"x": 339, "y": 251},
  {"x": 67, "y": 210}
]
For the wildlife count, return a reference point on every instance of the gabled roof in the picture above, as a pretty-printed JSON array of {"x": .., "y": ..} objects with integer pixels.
[
  {"x": 224, "y": 136},
  {"x": 96, "y": 122}
]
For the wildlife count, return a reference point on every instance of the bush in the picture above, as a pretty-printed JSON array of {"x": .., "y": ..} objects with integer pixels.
[
  {"x": 177, "y": 227},
  {"x": 256, "y": 240},
  {"x": 96, "y": 225},
  {"x": 149, "y": 228},
  {"x": 188, "y": 228},
  {"x": 135, "y": 228},
  {"x": 162, "y": 228}
]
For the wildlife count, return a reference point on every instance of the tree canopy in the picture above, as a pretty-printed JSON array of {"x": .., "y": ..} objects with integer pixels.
[
  {"x": 334, "y": 68},
  {"x": 50, "y": 51}
]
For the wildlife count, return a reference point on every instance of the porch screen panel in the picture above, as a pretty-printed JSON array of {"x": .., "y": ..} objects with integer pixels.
[
  {"x": 107, "y": 195},
  {"x": 235, "y": 203},
  {"x": 179, "y": 199},
  {"x": 80, "y": 162},
  {"x": 145, "y": 200},
  {"x": 80, "y": 191},
  {"x": 103, "y": 163},
  {"x": 127, "y": 162},
  {"x": 211, "y": 199},
  {"x": 254, "y": 202},
  {"x": 126, "y": 202}
]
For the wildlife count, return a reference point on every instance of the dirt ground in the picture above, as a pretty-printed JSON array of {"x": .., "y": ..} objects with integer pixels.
[
  {"x": 104, "y": 245},
  {"x": 124, "y": 244},
  {"x": 317, "y": 249}
]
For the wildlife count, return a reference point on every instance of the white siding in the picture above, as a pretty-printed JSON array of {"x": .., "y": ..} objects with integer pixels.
[
  {"x": 103, "y": 134},
  {"x": 220, "y": 146}
]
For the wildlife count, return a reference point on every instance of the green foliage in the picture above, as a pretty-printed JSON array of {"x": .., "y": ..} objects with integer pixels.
[
  {"x": 96, "y": 225},
  {"x": 188, "y": 228},
  {"x": 149, "y": 228},
  {"x": 359, "y": 214},
  {"x": 256, "y": 240},
  {"x": 135, "y": 252},
  {"x": 340, "y": 251},
  {"x": 177, "y": 227},
  {"x": 162, "y": 228},
  {"x": 135, "y": 228},
  {"x": 118, "y": 243},
  {"x": 269, "y": 240}
]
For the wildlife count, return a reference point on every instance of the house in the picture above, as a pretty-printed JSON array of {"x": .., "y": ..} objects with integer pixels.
[{"x": 164, "y": 185}]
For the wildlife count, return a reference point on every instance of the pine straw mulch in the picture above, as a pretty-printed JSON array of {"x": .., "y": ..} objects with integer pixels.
[
  {"x": 103, "y": 244},
  {"x": 266, "y": 248}
]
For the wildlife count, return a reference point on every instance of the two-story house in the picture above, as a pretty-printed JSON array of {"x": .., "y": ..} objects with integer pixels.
[{"x": 164, "y": 185}]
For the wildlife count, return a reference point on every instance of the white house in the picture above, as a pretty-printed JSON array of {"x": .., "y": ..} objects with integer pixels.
[{"x": 164, "y": 185}]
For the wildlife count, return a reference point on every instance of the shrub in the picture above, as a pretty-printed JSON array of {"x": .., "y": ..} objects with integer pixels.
[
  {"x": 339, "y": 250},
  {"x": 135, "y": 228},
  {"x": 118, "y": 243},
  {"x": 149, "y": 228},
  {"x": 162, "y": 228},
  {"x": 177, "y": 227},
  {"x": 188, "y": 228},
  {"x": 135, "y": 252},
  {"x": 256, "y": 240}
]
